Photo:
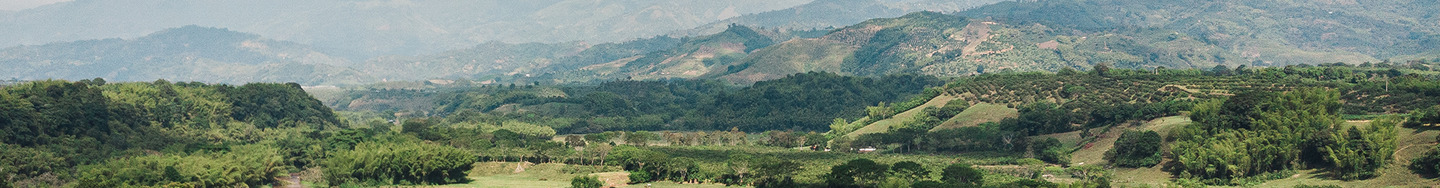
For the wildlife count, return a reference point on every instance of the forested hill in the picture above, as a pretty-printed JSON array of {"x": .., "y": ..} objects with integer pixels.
[
  {"x": 185, "y": 53},
  {"x": 51, "y": 127},
  {"x": 802, "y": 102}
]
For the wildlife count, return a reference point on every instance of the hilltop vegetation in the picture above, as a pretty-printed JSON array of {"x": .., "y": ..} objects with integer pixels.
[
  {"x": 84, "y": 132},
  {"x": 806, "y": 101}
]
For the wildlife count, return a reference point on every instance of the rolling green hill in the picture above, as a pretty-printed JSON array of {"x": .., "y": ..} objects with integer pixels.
[{"x": 188, "y": 53}]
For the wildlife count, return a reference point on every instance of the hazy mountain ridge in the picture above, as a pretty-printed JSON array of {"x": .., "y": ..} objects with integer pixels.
[
  {"x": 363, "y": 29},
  {"x": 1013, "y": 36},
  {"x": 833, "y": 13},
  {"x": 188, "y": 53}
]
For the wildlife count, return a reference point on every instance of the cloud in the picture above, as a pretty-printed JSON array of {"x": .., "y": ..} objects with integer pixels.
[{"x": 26, "y": 4}]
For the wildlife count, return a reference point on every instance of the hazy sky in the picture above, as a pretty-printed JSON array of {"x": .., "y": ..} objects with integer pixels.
[{"x": 24, "y": 4}]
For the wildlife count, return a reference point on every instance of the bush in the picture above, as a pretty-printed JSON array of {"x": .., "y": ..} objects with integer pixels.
[
  {"x": 586, "y": 182},
  {"x": 639, "y": 177},
  {"x": 1135, "y": 149},
  {"x": 1428, "y": 163},
  {"x": 399, "y": 163}
]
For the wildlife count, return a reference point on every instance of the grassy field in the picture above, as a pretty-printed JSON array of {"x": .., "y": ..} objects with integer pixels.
[
  {"x": 884, "y": 124},
  {"x": 979, "y": 113}
]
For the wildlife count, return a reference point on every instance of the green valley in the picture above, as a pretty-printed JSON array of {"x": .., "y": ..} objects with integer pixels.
[{"x": 822, "y": 94}]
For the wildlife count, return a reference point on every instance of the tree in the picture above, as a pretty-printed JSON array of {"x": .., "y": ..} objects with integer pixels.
[
  {"x": 1358, "y": 153},
  {"x": 1101, "y": 69},
  {"x": 586, "y": 182},
  {"x": 1087, "y": 172},
  {"x": 1220, "y": 70},
  {"x": 639, "y": 138},
  {"x": 1135, "y": 149},
  {"x": 910, "y": 170},
  {"x": 740, "y": 163},
  {"x": 1051, "y": 151},
  {"x": 575, "y": 141},
  {"x": 633, "y": 158},
  {"x": 862, "y": 172},
  {"x": 963, "y": 175},
  {"x": 415, "y": 127}
]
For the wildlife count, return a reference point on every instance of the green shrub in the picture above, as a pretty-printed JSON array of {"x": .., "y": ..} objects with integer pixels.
[
  {"x": 399, "y": 163},
  {"x": 1428, "y": 163},
  {"x": 639, "y": 177},
  {"x": 586, "y": 182}
]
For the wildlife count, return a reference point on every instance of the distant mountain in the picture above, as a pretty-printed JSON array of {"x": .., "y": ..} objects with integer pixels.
[
  {"x": 1268, "y": 33},
  {"x": 1055, "y": 34},
  {"x": 361, "y": 29},
  {"x": 822, "y": 14},
  {"x": 189, "y": 53},
  {"x": 503, "y": 62},
  {"x": 1047, "y": 35},
  {"x": 645, "y": 59}
]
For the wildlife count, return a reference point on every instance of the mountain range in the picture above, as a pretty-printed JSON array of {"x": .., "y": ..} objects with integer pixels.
[
  {"x": 847, "y": 37},
  {"x": 362, "y": 29}
]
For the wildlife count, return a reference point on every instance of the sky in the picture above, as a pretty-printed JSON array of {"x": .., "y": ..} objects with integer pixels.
[{"x": 25, "y": 4}]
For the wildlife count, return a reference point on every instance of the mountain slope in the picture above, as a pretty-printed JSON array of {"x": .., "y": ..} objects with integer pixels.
[
  {"x": 1268, "y": 33},
  {"x": 361, "y": 29},
  {"x": 1056, "y": 34},
  {"x": 833, "y": 13},
  {"x": 510, "y": 63},
  {"x": 188, "y": 53}
]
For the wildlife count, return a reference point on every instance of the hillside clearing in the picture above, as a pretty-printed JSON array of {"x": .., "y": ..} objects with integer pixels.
[
  {"x": 977, "y": 114},
  {"x": 884, "y": 124}
]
